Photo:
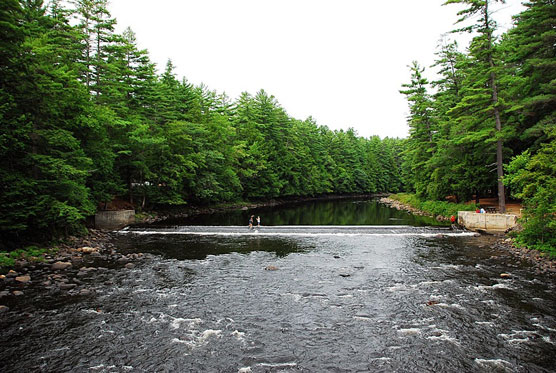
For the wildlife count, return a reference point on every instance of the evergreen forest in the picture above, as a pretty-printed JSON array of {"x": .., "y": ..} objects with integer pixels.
[{"x": 87, "y": 117}]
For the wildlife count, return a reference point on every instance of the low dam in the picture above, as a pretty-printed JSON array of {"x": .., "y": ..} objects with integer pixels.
[
  {"x": 111, "y": 220},
  {"x": 488, "y": 222}
]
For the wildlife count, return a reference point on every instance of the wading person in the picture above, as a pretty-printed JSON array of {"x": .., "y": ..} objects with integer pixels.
[
  {"x": 258, "y": 221},
  {"x": 251, "y": 221}
]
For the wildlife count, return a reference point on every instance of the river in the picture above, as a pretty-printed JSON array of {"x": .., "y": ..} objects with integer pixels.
[{"x": 335, "y": 286}]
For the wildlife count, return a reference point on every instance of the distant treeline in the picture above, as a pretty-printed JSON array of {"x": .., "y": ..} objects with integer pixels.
[{"x": 86, "y": 118}]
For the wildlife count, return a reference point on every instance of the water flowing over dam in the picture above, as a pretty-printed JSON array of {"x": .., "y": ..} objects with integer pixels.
[{"x": 339, "y": 286}]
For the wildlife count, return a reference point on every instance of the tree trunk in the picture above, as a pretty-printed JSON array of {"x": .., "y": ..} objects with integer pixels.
[{"x": 499, "y": 155}]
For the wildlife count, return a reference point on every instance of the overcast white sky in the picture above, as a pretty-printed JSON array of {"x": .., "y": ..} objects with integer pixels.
[{"x": 340, "y": 61}]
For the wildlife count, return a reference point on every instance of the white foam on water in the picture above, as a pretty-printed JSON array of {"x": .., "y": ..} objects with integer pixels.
[
  {"x": 427, "y": 283},
  {"x": 501, "y": 286},
  {"x": 300, "y": 234},
  {"x": 240, "y": 336},
  {"x": 486, "y": 323},
  {"x": 443, "y": 337},
  {"x": 189, "y": 344},
  {"x": 296, "y": 297},
  {"x": 277, "y": 365},
  {"x": 92, "y": 311},
  {"x": 209, "y": 333},
  {"x": 176, "y": 322},
  {"x": 451, "y": 305},
  {"x": 381, "y": 359},
  {"x": 244, "y": 370},
  {"x": 298, "y": 231},
  {"x": 362, "y": 318},
  {"x": 198, "y": 340},
  {"x": 436, "y": 296},
  {"x": 518, "y": 336},
  {"x": 401, "y": 287},
  {"x": 494, "y": 363},
  {"x": 485, "y": 288},
  {"x": 345, "y": 296},
  {"x": 410, "y": 331},
  {"x": 489, "y": 301}
]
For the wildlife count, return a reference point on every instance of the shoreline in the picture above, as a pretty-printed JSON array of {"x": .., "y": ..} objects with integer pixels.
[
  {"x": 65, "y": 272},
  {"x": 61, "y": 272},
  {"x": 412, "y": 210},
  {"x": 542, "y": 262}
]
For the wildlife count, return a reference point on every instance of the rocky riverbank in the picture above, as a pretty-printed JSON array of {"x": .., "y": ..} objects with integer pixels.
[
  {"x": 66, "y": 271},
  {"x": 403, "y": 207},
  {"x": 543, "y": 263}
]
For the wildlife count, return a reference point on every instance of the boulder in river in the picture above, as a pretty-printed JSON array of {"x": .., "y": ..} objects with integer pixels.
[
  {"x": 505, "y": 275},
  {"x": 130, "y": 265},
  {"x": 17, "y": 293},
  {"x": 4, "y": 309},
  {"x": 61, "y": 265}
]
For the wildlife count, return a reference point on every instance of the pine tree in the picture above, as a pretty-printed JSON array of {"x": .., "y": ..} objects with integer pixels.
[
  {"x": 485, "y": 72},
  {"x": 421, "y": 145}
]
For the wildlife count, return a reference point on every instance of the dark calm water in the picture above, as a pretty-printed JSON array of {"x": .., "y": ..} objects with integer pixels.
[{"x": 357, "y": 287}]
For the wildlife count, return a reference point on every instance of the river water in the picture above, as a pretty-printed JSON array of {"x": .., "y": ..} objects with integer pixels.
[{"x": 337, "y": 286}]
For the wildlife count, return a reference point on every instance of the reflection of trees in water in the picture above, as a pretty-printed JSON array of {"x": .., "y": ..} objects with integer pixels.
[
  {"x": 332, "y": 212},
  {"x": 193, "y": 247}
]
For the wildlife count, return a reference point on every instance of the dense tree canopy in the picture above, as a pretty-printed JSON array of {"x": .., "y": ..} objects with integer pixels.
[
  {"x": 86, "y": 118},
  {"x": 494, "y": 105}
]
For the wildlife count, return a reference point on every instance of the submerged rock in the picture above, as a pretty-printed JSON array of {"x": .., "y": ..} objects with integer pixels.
[
  {"x": 4, "y": 309},
  {"x": 271, "y": 268}
]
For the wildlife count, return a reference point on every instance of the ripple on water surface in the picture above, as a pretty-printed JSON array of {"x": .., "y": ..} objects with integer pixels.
[{"x": 362, "y": 300}]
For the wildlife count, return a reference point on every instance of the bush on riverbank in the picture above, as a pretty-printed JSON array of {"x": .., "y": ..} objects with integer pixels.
[
  {"x": 434, "y": 208},
  {"x": 29, "y": 253}
]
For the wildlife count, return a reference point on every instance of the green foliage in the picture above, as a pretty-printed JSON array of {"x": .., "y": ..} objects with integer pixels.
[
  {"x": 29, "y": 253},
  {"x": 532, "y": 177},
  {"x": 497, "y": 100},
  {"x": 435, "y": 208},
  {"x": 85, "y": 118}
]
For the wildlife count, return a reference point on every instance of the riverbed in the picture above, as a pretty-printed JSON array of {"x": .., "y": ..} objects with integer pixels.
[{"x": 335, "y": 286}]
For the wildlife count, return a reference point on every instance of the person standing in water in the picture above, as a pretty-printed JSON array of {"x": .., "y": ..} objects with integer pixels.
[
  {"x": 258, "y": 221},
  {"x": 251, "y": 221}
]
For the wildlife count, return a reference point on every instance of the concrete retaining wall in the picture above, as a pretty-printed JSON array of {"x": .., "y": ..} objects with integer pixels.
[
  {"x": 111, "y": 220},
  {"x": 487, "y": 222}
]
